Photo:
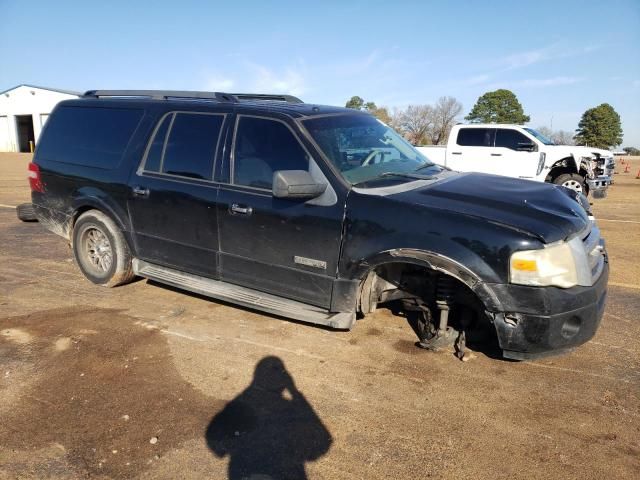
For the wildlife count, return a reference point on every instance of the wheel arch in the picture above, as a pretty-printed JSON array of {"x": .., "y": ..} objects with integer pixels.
[
  {"x": 88, "y": 200},
  {"x": 562, "y": 166},
  {"x": 432, "y": 261}
]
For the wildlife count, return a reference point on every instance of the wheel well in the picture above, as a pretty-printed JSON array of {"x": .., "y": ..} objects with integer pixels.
[
  {"x": 441, "y": 309},
  {"x": 79, "y": 211},
  {"x": 561, "y": 167},
  {"x": 407, "y": 281},
  {"x": 86, "y": 208}
]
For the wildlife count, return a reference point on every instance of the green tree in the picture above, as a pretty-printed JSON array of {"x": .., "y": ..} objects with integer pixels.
[
  {"x": 500, "y": 106},
  {"x": 358, "y": 103},
  {"x": 599, "y": 127},
  {"x": 355, "y": 102}
]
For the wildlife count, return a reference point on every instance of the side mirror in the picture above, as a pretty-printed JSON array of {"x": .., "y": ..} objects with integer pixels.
[
  {"x": 296, "y": 184},
  {"x": 527, "y": 147}
]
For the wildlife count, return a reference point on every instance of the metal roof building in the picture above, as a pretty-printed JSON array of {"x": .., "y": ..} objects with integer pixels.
[{"x": 24, "y": 111}]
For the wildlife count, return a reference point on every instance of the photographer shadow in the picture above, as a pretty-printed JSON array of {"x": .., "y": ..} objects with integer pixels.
[{"x": 269, "y": 431}]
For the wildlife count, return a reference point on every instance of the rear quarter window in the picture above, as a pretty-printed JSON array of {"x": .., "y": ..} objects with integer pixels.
[{"x": 89, "y": 136}]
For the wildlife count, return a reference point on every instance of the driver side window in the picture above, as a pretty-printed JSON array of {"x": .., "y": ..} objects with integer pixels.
[
  {"x": 263, "y": 146},
  {"x": 511, "y": 139}
]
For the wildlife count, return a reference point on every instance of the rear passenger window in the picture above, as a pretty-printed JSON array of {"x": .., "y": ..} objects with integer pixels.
[
  {"x": 510, "y": 139},
  {"x": 264, "y": 146},
  {"x": 189, "y": 148},
  {"x": 90, "y": 136},
  {"x": 475, "y": 137}
]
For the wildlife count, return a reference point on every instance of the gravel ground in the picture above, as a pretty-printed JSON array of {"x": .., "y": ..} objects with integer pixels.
[{"x": 144, "y": 381}]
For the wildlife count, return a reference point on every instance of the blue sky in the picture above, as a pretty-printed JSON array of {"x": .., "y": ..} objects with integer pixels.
[{"x": 559, "y": 57}]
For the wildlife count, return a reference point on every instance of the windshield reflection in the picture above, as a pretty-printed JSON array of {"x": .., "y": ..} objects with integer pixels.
[{"x": 367, "y": 151}]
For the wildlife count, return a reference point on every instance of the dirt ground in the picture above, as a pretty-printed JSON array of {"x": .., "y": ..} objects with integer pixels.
[{"x": 143, "y": 381}]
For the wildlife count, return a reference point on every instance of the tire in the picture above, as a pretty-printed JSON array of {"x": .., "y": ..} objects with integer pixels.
[
  {"x": 26, "y": 213},
  {"x": 573, "y": 181},
  {"x": 101, "y": 251}
]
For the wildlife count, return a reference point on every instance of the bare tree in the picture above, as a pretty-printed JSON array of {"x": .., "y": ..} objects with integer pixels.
[
  {"x": 445, "y": 112},
  {"x": 415, "y": 122},
  {"x": 562, "y": 137},
  {"x": 559, "y": 137},
  {"x": 546, "y": 131}
]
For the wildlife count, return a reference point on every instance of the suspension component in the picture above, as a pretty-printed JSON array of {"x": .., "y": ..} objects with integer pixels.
[{"x": 445, "y": 292}]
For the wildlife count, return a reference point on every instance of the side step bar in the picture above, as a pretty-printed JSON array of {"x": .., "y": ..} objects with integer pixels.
[{"x": 246, "y": 297}]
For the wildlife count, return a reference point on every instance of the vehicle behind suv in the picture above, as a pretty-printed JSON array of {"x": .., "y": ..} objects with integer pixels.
[
  {"x": 522, "y": 152},
  {"x": 314, "y": 213}
]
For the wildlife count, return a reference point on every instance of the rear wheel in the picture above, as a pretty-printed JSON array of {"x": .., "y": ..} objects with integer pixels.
[
  {"x": 101, "y": 251},
  {"x": 573, "y": 181}
]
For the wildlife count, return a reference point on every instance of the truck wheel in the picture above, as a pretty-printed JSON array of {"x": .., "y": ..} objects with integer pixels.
[
  {"x": 26, "y": 213},
  {"x": 101, "y": 251},
  {"x": 571, "y": 180}
]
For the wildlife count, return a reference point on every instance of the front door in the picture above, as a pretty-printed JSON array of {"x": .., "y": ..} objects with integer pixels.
[
  {"x": 282, "y": 246},
  {"x": 172, "y": 202},
  {"x": 512, "y": 158}
]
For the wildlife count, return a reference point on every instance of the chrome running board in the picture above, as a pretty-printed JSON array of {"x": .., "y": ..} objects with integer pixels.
[{"x": 244, "y": 296}]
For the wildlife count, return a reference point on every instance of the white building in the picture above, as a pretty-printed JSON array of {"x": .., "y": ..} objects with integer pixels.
[{"x": 23, "y": 112}]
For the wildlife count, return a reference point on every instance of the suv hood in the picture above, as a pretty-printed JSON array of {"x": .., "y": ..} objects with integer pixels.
[{"x": 547, "y": 212}]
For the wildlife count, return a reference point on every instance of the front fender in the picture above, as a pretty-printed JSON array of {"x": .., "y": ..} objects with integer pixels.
[{"x": 437, "y": 262}]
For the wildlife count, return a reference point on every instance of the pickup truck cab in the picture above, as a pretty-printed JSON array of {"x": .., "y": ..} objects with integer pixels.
[
  {"x": 291, "y": 208},
  {"x": 522, "y": 152}
]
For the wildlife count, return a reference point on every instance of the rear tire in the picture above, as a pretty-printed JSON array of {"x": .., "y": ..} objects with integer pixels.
[
  {"x": 26, "y": 213},
  {"x": 573, "y": 181},
  {"x": 101, "y": 251}
]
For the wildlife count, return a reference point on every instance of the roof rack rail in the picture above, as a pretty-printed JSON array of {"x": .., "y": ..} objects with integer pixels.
[
  {"x": 177, "y": 94},
  {"x": 266, "y": 96}
]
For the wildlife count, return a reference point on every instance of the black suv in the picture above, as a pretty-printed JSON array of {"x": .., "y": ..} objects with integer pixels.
[{"x": 315, "y": 213}]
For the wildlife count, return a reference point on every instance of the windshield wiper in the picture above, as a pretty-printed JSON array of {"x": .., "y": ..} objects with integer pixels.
[
  {"x": 427, "y": 165},
  {"x": 424, "y": 165},
  {"x": 412, "y": 176},
  {"x": 415, "y": 176}
]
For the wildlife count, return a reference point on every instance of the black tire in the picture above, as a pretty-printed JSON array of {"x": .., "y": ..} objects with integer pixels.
[
  {"x": 101, "y": 251},
  {"x": 573, "y": 181},
  {"x": 26, "y": 213}
]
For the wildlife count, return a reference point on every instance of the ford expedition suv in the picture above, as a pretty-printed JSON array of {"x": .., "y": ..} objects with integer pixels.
[{"x": 289, "y": 208}]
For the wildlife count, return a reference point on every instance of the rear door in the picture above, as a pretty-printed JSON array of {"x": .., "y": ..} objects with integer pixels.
[
  {"x": 288, "y": 247},
  {"x": 172, "y": 201},
  {"x": 472, "y": 150}
]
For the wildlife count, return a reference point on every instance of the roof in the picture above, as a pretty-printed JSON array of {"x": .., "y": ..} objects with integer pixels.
[
  {"x": 491, "y": 125},
  {"x": 68, "y": 92},
  {"x": 291, "y": 109}
]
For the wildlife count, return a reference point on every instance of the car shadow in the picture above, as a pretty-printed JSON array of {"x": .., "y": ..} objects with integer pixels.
[{"x": 268, "y": 431}]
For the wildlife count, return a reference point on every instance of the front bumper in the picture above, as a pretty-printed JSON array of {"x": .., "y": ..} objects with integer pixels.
[
  {"x": 598, "y": 185},
  {"x": 538, "y": 321}
]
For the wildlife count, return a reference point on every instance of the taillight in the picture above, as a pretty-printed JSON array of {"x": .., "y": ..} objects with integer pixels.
[{"x": 35, "y": 181}]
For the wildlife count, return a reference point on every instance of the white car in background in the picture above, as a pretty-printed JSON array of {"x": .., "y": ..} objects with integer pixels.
[{"x": 522, "y": 152}]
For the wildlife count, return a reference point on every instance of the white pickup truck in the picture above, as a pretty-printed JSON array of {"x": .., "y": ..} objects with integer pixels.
[{"x": 522, "y": 152}]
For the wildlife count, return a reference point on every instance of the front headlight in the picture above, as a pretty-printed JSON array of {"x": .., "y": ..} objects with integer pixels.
[{"x": 553, "y": 265}]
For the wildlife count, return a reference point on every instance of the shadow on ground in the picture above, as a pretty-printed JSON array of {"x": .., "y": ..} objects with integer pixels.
[{"x": 269, "y": 431}]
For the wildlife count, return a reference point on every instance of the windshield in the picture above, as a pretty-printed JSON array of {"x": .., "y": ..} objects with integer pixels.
[
  {"x": 540, "y": 136},
  {"x": 366, "y": 151}
]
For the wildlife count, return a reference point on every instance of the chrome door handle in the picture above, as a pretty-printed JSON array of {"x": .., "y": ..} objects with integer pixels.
[
  {"x": 140, "y": 191},
  {"x": 236, "y": 209},
  {"x": 456, "y": 153},
  {"x": 496, "y": 154}
]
